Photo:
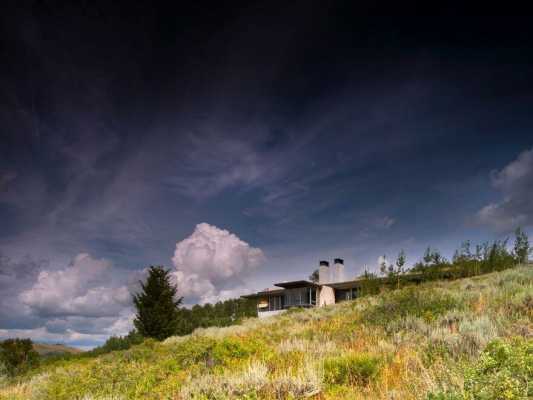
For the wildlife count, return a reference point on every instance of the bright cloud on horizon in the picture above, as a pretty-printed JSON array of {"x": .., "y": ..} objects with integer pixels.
[
  {"x": 89, "y": 299},
  {"x": 515, "y": 182},
  {"x": 83, "y": 288},
  {"x": 80, "y": 304},
  {"x": 211, "y": 264}
]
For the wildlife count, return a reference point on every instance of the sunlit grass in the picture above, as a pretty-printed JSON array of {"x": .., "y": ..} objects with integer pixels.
[{"x": 415, "y": 343}]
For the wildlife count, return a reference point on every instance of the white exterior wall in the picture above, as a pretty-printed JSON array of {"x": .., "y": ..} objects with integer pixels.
[
  {"x": 264, "y": 314},
  {"x": 323, "y": 274},
  {"x": 326, "y": 296},
  {"x": 339, "y": 273}
]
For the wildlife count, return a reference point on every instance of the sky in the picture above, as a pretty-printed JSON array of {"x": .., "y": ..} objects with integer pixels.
[{"x": 240, "y": 146}]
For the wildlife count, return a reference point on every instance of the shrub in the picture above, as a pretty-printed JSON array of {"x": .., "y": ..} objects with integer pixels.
[
  {"x": 444, "y": 396},
  {"x": 18, "y": 356},
  {"x": 357, "y": 369},
  {"x": 115, "y": 343},
  {"x": 294, "y": 310},
  {"x": 4, "y": 373},
  {"x": 425, "y": 304},
  {"x": 230, "y": 349},
  {"x": 210, "y": 352},
  {"x": 305, "y": 383},
  {"x": 252, "y": 383},
  {"x": 503, "y": 371},
  {"x": 460, "y": 335},
  {"x": 193, "y": 351}
]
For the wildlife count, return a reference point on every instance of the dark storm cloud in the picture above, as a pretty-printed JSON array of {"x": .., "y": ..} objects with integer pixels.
[
  {"x": 15, "y": 277},
  {"x": 304, "y": 131}
]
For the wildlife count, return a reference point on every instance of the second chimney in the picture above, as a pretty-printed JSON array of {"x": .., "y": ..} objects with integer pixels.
[
  {"x": 339, "y": 270},
  {"x": 323, "y": 272}
]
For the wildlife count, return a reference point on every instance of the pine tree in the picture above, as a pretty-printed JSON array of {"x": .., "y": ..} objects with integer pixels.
[
  {"x": 157, "y": 306},
  {"x": 428, "y": 256},
  {"x": 400, "y": 263},
  {"x": 314, "y": 277}
]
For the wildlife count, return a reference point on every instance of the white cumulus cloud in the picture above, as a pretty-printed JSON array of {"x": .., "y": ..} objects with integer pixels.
[
  {"x": 515, "y": 182},
  {"x": 81, "y": 303},
  {"x": 211, "y": 264},
  {"x": 87, "y": 287}
]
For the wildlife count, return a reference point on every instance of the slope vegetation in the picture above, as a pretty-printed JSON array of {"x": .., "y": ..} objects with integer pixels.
[
  {"x": 463, "y": 339},
  {"x": 47, "y": 349}
]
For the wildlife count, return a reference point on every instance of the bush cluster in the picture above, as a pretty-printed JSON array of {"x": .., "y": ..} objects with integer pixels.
[
  {"x": 467, "y": 261},
  {"x": 115, "y": 343},
  {"x": 17, "y": 356},
  {"x": 353, "y": 369},
  {"x": 222, "y": 313},
  {"x": 398, "y": 304},
  {"x": 504, "y": 371}
]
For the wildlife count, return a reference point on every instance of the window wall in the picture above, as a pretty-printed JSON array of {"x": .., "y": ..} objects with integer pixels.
[
  {"x": 275, "y": 303},
  {"x": 345, "y": 294},
  {"x": 299, "y": 297}
]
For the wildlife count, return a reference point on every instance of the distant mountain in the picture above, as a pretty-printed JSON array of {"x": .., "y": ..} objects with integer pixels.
[{"x": 47, "y": 349}]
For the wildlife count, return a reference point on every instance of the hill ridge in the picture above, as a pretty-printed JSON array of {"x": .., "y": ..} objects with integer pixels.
[{"x": 418, "y": 342}]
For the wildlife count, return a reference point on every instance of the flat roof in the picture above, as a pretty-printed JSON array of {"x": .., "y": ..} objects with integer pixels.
[
  {"x": 345, "y": 284},
  {"x": 296, "y": 284},
  {"x": 356, "y": 282},
  {"x": 336, "y": 285},
  {"x": 262, "y": 293}
]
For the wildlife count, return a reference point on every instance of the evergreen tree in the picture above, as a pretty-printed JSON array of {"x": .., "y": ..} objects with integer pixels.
[
  {"x": 399, "y": 270},
  {"x": 18, "y": 356},
  {"x": 428, "y": 256},
  {"x": 119, "y": 343},
  {"x": 157, "y": 306},
  {"x": 436, "y": 258},
  {"x": 314, "y": 277}
]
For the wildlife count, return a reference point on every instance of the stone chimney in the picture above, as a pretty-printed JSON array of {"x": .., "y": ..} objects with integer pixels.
[
  {"x": 323, "y": 272},
  {"x": 339, "y": 270}
]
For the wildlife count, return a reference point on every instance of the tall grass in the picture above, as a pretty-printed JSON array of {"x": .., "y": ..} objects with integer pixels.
[{"x": 433, "y": 341}]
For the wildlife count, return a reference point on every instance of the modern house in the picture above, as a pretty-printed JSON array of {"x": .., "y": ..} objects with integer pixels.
[{"x": 330, "y": 288}]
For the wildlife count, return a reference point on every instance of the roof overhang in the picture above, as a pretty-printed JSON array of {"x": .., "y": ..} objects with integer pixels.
[
  {"x": 409, "y": 277},
  {"x": 296, "y": 284},
  {"x": 346, "y": 284},
  {"x": 337, "y": 285},
  {"x": 263, "y": 294}
]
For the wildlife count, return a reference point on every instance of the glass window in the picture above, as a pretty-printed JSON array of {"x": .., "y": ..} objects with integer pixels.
[
  {"x": 299, "y": 297},
  {"x": 275, "y": 303},
  {"x": 345, "y": 294}
]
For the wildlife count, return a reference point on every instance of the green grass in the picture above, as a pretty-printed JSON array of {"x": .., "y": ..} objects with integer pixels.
[
  {"x": 465, "y": 339},
  {"x": 353, "y": 369}
]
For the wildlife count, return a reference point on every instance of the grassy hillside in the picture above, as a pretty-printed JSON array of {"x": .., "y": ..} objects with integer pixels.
[
  {"x": 470, "y": 338},
  {"x": 47, "y": 349}
]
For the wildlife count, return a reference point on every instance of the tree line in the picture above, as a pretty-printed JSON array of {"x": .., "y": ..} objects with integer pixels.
[
  {"x": 160, "y": 313},
  {"x": 468, "y": 260}
]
